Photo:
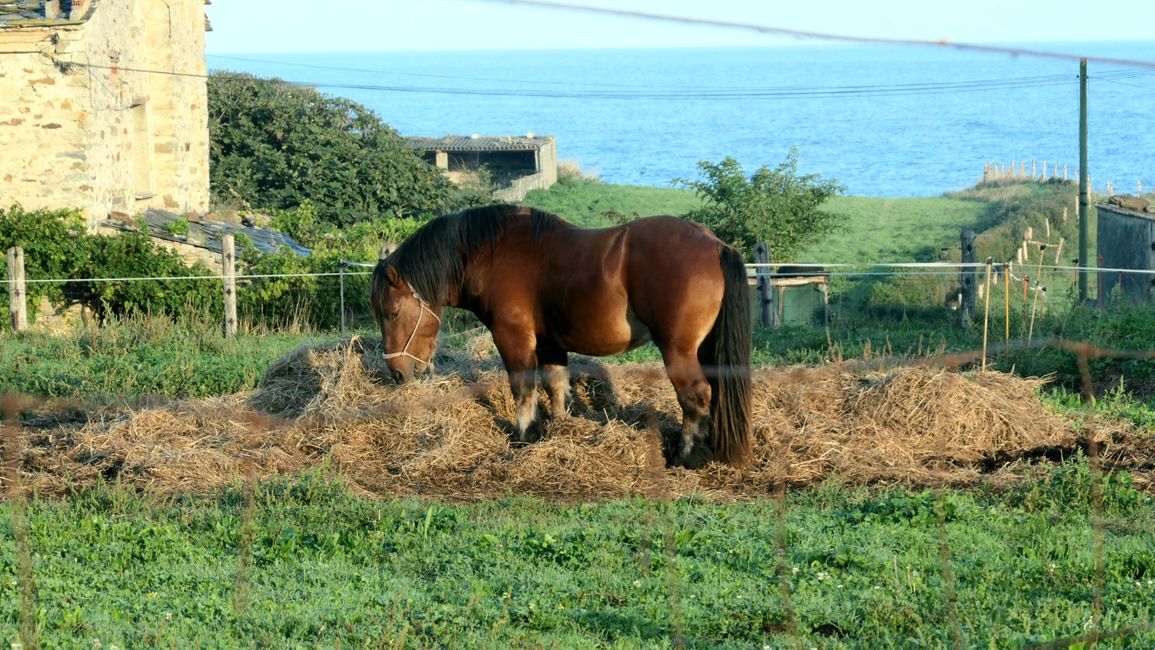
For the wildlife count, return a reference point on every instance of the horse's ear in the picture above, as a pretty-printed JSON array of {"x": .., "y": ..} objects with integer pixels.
[{"x": 392, "y": 276}]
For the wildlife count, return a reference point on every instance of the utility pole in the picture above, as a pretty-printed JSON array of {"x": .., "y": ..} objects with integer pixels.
[{"x": 1084, "y": 191}]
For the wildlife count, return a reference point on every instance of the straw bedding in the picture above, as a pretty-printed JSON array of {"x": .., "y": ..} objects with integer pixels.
[{"x": 448, "y": 436}]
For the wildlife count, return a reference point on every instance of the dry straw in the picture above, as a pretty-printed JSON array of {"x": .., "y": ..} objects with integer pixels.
[{"x": 448, "y": 436}]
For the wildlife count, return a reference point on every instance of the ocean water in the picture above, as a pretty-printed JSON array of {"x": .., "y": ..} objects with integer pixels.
[{"x": 885, "y": 121}]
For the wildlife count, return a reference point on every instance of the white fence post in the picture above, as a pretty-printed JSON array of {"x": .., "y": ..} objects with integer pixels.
[
  {"x": 17, "y": 306},
  {"x": 229, "y": 276}
]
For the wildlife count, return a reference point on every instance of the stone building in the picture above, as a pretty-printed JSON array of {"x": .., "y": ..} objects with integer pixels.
[{"x": 103, "y": 106}]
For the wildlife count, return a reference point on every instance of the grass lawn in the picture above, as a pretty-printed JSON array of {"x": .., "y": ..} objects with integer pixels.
[
  {"x": 877, "y": 230},
  {"x": 301, "y": 562},
  {"x": 595, "y": 204},
  {"x": 896, "y": 230}
]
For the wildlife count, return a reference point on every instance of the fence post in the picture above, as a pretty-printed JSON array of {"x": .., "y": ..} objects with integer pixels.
[
  {"x": 17, "y": 306},
  {"x": 341, "y": 274},
  {"x": 766, "y": 311},
  {"x": 969, "y": 278},
  {"x": 229, "y": 276}
]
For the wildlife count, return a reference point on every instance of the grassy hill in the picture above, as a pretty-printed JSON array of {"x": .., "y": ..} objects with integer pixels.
[{"x": 878, "y": 230}]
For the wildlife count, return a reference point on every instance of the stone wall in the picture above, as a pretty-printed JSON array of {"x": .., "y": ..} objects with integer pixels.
[{"x": 98, "y": 113}]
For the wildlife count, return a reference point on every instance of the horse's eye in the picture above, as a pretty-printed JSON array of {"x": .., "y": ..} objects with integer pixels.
[{"x": 395, "y": 314}]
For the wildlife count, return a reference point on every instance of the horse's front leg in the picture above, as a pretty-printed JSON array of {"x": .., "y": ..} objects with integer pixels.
[{"x": 520, "y": 358}]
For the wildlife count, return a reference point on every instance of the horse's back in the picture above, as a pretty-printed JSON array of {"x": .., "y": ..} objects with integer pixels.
[
  {"x": 673, "y": 269},
  {"x": 604, "y": 291}
]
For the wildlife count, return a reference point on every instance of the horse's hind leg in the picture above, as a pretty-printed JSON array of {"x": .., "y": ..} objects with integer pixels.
[
  {"x": 693, "y": 392},
  {"x": 555, "y": 376}
]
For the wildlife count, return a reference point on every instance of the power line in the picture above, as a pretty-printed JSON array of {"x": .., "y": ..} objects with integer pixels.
[
  {"x": 822, "y": 36},
  {"x": 406, "y": 74},
  {"x": 921, "y": 88}
]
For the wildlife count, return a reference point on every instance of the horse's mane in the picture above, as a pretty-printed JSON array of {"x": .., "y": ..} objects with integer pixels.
[{"x": 433, "y": 259}]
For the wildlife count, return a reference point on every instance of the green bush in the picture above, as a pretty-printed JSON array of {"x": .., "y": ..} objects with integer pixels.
[
  {"x": 315, "y": 301},
  {"x": 48, "y": 238},
  {"x": 56, "y": 246},
  {"x": 776, "y": 206},
  {"x": 276, "y": 146}
]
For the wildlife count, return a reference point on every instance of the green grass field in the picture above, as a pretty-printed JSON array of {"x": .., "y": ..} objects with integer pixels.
[
  {"x": 594, "y": 204},
  {"x": 896, "y": 230},
  {"x": 878, "y": 230},
  {"x": 303, "y": 563}
]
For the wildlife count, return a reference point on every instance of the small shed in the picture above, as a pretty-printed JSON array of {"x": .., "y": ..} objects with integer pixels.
[
  {"x": 801, "y": 295},
  {"x": 792, "y": 294},
  {"x": 517, "y": 164},
  {"x": 1126, "y": 241}
]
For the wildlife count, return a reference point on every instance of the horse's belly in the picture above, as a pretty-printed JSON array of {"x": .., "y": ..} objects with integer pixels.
[{"x": 605, "y": 339}]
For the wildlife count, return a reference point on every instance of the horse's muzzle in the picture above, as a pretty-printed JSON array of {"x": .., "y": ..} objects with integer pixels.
[{"x": 416, "y": 371}]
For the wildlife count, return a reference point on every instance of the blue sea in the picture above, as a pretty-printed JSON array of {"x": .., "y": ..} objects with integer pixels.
[{"x": 886, "y": 121}]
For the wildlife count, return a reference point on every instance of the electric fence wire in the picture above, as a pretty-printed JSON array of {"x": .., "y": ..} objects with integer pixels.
[{"x": 905, "y": 269}]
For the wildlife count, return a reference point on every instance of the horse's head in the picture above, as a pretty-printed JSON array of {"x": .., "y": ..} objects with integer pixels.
[{"x": 408, "y": 323}]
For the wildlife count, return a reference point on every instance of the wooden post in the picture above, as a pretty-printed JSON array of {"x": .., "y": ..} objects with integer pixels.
[
  {"x": 229, "y": 275},
  {"x": 341, "y": 274},
  {"x": 1007, "y": 304},
  {"x": 17, "y": 305},
  {"x": 766, "y": 312},
  {"x": 986, "y": 313},
  {"x": 1084, "y": 184},
  {"x": 969, "y": 279}
]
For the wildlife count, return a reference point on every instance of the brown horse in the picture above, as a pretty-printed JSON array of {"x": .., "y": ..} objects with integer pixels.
[{"x": 545, "y": 287}]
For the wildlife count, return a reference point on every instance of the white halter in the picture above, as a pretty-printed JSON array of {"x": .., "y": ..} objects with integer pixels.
[{"x": 405, "y": 351}]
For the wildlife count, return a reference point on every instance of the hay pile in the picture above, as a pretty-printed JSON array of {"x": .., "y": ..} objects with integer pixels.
[{"x": 448, "y": 436}]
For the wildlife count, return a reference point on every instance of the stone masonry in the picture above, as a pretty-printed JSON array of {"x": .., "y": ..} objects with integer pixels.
[{"x": 103, "y": 106}]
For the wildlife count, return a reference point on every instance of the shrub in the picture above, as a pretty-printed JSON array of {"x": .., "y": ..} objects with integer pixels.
[
  {"x": 776, "y": 206},
  {"x": 276, "y": 146},
  {"x": 56, "y": 246}
]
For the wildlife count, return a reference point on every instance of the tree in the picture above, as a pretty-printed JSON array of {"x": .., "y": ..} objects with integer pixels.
[
  {"x": 776, "y": 206},
  {"x": 275, "y": 146}
]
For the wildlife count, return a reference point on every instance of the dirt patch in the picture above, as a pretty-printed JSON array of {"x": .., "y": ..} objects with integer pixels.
[{"x": 448, "y": 436}]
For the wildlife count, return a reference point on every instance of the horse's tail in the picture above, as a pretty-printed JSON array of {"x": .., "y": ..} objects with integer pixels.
[{"x": 730, "y": 380}]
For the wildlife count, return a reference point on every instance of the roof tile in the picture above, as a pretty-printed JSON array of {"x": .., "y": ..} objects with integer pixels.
[{"x": 480, "y": 143}]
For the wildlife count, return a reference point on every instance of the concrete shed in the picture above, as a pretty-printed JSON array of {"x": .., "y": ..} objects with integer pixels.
[
  {"x": 517, "y": 164},
  {"x": 1126, "y": 240}
]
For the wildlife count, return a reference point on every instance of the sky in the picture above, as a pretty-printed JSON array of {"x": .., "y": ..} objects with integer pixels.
[{"x": 265, "y": 26}]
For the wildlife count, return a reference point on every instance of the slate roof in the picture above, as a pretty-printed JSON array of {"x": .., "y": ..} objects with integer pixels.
[
  {"x": 480, "y": 143},
  {"x": 207, "y": 234},
  {"x": 31, "y": 13}
]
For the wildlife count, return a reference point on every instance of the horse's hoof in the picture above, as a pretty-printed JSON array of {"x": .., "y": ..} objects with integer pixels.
[
  {"x": 697, "y": 457},
  {"x": 532, "y": 433}
]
